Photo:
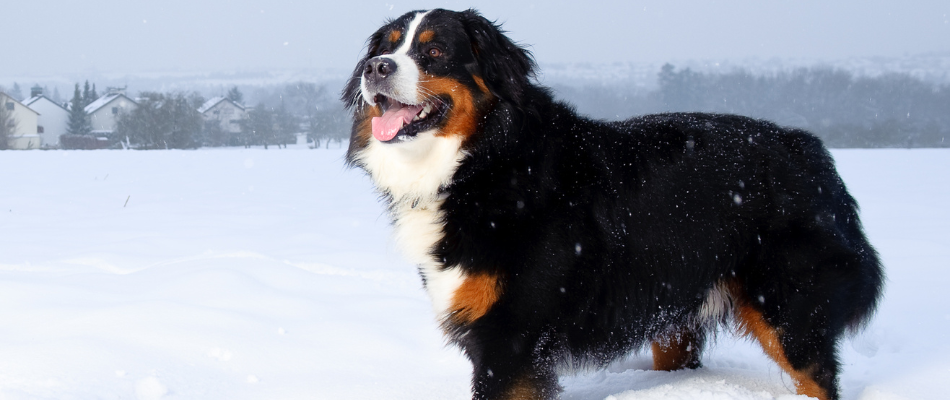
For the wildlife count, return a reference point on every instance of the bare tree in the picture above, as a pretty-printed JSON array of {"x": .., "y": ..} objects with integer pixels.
[
  {"x": 8, "y": 123},
  {"x": 258, "y": 128},
  {"x": 161, "y": 121}
]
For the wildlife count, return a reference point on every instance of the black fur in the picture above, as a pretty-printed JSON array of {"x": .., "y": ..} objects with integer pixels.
[
  {"x": 610, "y": 235},
  {"x": 506, "y": 67}
]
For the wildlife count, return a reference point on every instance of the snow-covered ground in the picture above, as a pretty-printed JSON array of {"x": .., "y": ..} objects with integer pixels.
[{"x": 269, "y": 274}]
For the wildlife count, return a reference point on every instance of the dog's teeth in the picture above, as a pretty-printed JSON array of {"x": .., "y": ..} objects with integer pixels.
[{"x": 424, "y": 113}]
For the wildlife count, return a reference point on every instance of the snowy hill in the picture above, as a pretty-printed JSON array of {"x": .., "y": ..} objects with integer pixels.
[{"x": 269, "y": 274}]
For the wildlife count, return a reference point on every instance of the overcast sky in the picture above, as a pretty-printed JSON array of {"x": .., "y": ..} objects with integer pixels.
[{"x": 110, "y": 36}]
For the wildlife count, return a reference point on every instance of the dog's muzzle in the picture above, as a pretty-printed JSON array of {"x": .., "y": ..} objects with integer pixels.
[
  {"x": 378, "y": 69},
  {"x": 379, "y": 73}
]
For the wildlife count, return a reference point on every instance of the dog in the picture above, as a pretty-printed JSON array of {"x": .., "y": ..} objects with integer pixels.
[{"x": 548, "y": 240}]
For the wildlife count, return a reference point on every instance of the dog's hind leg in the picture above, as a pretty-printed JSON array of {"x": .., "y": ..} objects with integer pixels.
[
  {"x": 812, "y": 366},
  {"x": 679, "y": 349},
  {"x": 798, "y": 298}
]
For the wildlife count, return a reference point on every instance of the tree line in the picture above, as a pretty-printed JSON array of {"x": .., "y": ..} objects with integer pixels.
[
  {"x": 891, "y": 110},
  {"x": 171, "y": 120},
  {"x": 17, "y": 93}
]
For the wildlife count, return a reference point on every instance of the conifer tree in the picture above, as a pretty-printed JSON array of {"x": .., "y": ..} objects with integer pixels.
[
  {"x": 78, "y": 120},
  {"x": 7, "y": 123},
  {"x": 16, "y": 93},
  {"x": 87, "y": 95},
  {"x": 235, "y": 95}
]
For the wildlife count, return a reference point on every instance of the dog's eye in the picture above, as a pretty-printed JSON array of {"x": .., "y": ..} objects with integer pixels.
[{"x": 435, "y": 52}]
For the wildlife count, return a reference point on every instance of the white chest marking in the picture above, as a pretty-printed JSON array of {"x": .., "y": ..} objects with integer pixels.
[
  {"x": 415, "y": 169},
  {"x": 412, "y": 173},
  {"x": 416, "y": 232}
]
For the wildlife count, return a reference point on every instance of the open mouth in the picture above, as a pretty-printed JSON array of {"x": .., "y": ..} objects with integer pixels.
[{"x": 401, "y": 121}]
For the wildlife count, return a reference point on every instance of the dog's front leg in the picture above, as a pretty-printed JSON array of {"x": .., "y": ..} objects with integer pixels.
[{"x": 503, "y": 372}]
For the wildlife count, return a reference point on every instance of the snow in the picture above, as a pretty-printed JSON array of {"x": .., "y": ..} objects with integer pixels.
[
  {"x": 100, "y": 102},
  {"x": 210, "y": 103},
  {"x": 269, "y": 274}
]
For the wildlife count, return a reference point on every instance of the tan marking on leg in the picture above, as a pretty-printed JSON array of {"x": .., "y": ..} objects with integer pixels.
[
  {"x": 751, "y": 322},
  {"x": 675, "y": 352},
  {"x": 526, "y": 388},
  {"x": 523, "y": 391},
  {"x": 394, "y": 36},
  {"x": 474, "y": 297},
  {"x": 426, "y": 36}
]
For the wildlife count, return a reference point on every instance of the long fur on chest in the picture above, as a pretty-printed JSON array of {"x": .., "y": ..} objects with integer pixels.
[{"x": 411, "y": 177}]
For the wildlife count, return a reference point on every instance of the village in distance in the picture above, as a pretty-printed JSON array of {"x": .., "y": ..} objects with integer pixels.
[{"x": 307, "y": 114}]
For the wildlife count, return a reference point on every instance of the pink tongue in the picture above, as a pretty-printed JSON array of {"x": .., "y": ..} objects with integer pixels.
[{"x": 386, "y": 127}]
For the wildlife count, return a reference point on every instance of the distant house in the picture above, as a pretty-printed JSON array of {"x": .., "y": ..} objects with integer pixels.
[
  {"x": 24, "y": 124},
  {"x": 228, "y": 113},
  {"x": 53, "y": 119},
  {"x": 104, "y": 112}
]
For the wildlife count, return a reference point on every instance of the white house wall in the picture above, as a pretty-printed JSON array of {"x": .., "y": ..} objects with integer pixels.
[
  {"x": 103, "y": 119},
  {"x": 54, "y": 120},
  {"x": 24, "y": 134},
  {"x": 227, "y": 115}
]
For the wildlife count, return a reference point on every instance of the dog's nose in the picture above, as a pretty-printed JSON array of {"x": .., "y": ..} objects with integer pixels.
[{"x": 379, "y": 68}]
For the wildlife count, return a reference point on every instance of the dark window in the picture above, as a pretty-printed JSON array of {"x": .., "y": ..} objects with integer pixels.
[
  {"x": 10, "y": 106},
  {"x": 115, "y": 110},
  {"x": 39, "y": 129}
]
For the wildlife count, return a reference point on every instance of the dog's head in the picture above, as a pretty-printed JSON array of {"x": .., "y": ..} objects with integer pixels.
[{"x": 432, "y": 73}]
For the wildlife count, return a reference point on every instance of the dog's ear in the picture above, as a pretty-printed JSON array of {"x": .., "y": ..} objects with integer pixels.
[
  {"x": 351, "y": 95},
  {"x": 506, "y": 67}
]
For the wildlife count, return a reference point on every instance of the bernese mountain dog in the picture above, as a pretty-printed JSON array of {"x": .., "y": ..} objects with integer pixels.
[{"x": 547, "y": 239}]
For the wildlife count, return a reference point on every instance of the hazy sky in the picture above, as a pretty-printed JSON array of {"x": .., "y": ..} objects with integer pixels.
[{"x": 109, "y": 36}]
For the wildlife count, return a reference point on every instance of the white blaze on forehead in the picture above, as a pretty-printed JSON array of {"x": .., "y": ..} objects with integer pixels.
[{"x": 410, "y": 33}]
